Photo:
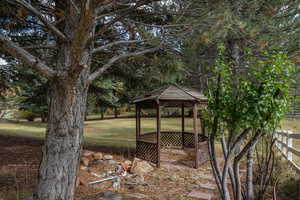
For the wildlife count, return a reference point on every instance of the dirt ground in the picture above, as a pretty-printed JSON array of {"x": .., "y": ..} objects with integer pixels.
[{"x": 20, "y": 157}]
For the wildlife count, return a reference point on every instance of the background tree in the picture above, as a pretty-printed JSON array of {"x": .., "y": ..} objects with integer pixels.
[
  {"x": 240, "y": 25},
  {"x": 60, "y": 39}
]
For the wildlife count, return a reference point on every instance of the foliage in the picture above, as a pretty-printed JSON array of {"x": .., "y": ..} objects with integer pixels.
[
  {"x": 253, "y": 24},
  {"x": 245, "y": 104},
  {"x": 260, "y": 97},
  {"x": 25, "y": 114}
]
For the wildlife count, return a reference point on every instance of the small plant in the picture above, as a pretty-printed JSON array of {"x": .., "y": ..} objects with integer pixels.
[{"x": 24, "y": 114}]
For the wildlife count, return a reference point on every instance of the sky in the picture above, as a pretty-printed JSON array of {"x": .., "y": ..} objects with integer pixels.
[{"x": 2, "y": 62}]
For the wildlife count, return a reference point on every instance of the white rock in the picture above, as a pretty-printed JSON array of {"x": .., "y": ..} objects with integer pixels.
[
  {"x": 128, "y": 162},
  {"x": 86, "y": 153},
  {"x": 141, "y": 167},
  {"x": 108, "y": 157},
  {"x": 97, "y": 156}
]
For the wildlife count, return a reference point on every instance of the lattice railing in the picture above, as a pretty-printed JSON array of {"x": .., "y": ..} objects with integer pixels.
[
  {"x": 147, "y": 151},
  {"x": 146, "y": 144},
  {"x": 189, "y": 139},
  {"x": 171, "y": 139}
]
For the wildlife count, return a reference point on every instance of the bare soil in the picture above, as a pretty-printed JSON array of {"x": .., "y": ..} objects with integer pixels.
[{"x": 20, "y": 158}]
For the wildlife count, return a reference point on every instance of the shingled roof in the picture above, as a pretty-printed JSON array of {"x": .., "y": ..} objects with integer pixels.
[{"x": 172, "y": 93}]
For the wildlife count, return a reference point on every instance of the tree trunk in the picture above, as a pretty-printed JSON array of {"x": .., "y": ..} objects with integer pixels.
[
  {"x": 249, "y": 178},
  {"x": 64, "y": 138},
  {"x": 116, "y": 112},
  {"x": 44, "y": 117}
]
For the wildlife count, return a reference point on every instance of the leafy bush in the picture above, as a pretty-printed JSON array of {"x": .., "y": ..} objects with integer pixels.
[{"x": 24, "y": 114}]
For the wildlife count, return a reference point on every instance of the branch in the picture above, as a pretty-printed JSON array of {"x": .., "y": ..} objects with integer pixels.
[
  {"x": 114, "y": 59},
  {"x": 49, "y": 46},
  {"x": 116, "y": 43},
  {"x": 25, "y": 56},
  {"x": 42, "y": 18}
]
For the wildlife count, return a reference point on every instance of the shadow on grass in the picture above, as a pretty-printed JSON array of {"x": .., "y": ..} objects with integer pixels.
[{"x": 126, "y": 151}]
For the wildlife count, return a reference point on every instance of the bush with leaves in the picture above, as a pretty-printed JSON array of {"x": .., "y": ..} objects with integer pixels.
[{"x": 245, "y": 104}]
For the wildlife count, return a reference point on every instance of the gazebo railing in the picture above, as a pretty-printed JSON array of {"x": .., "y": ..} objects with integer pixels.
[
  {"x": 146, "y": 144},
  {"x": 147, "y": 151}
]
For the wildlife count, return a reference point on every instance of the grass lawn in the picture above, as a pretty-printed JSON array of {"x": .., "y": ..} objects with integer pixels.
[
  {"x": 291, "y": 124},
  {"x": 113, "y": 132},
  {"x": 116, "y": 132}
]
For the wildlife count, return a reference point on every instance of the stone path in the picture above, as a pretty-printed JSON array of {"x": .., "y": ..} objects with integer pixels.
[{"x": 205, "y": 187}]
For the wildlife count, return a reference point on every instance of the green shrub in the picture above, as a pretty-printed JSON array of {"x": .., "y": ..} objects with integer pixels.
[{"x": 24, "y": 114}]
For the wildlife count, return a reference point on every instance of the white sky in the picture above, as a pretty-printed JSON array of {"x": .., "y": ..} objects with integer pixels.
[{"x": 2, "y": 62}]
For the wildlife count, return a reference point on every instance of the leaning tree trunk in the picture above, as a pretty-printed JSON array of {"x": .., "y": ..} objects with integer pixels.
[{"x": 64, "y": 138}]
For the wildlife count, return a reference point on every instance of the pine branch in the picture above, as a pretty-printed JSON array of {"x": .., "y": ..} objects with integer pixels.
[
  {"x": 20, "y": 53},
  {"x": 114, "y": 59},
  {"x": 101, "y": 48},
  {"x": 42, "y": 18}
]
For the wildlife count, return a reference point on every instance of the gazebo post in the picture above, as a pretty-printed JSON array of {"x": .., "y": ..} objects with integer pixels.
[
  {"x": 182, "y": 124},
  {"x": 138, "y": 121},
  {"x": 158, "y": 118},
  {"x": 196, "y": 135}
]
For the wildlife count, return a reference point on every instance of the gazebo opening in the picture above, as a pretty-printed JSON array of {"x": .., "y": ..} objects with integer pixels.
[{"x": 150, "y": 144}]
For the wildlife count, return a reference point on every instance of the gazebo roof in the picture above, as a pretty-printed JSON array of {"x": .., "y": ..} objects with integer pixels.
[{"x": 173, "y": 93}]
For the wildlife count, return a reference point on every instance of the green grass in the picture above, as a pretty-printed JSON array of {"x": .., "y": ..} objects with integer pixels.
[
  {"x": 292, "y": 124},
  {"x": 114, "y": 132},
  {"x": 98, "y": 116}
]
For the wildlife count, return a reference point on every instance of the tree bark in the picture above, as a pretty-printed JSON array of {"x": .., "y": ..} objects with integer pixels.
[
  {"x": 64, "y": 138},
  {"x": 249, "y": 178},
  {"x": 116, "y": 112}
]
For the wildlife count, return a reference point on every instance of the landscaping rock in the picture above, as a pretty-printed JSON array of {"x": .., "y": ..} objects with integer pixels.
[
  {"x": 128, "y": 162},
  {"x": 208, "y": 186},
  {"x": 135, "y": 196},
  {"x": 200, "y": 195},
  {"x": 141, "y": 167},
  {"x": 108, "y": 157},
  {"x": 82, "y": 167},
  {"x": 80, "y": 181},
  {"x": 135, "y": 178},
  {"x": 86, "y": 153},
  {"x": 97, "y": 156},
  {"x": 125, "y": 166},
  {"x": 85, "y": 161},
  {"x": 110, "y": 196},
  {"x": 112, "y": 162}
]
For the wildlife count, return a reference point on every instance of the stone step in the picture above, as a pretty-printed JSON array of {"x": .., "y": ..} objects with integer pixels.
[
  {"x": 207, "y": 177},
  {"x": 200, "y": 195},
  {"x": 208, "y": 186}
]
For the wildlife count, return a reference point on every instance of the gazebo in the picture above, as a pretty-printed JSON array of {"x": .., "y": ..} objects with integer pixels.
[{"x": 149, "y": 145}]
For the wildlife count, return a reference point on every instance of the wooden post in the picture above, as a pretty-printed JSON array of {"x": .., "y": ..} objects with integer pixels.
[
  {"x": 139, "y": 121},
  {"x": 279, "y": 139},
  {"x": 136, "y": 122},
  {"x": 284, "y": 139},
  {"x": 158, "y": 134},
  {"x": 196, "y": 135},
  {"x": 182, "y": 124},
  {"x": 289, "y": 143}
]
